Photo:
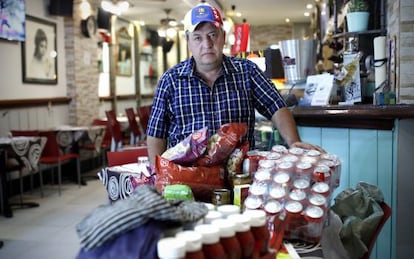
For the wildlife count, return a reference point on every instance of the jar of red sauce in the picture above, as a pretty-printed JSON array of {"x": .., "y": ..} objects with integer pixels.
[
  {"x": 244, "y": 234},
  {"x": 212, "y": 248},
  {"x": 193, "y": 244},
  {"x": 228, "y": 238},
  {"x": 259, "y": 230},
  {"x": 171, "y": 248}
]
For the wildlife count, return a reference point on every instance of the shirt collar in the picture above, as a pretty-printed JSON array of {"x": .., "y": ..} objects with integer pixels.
[{"x": 228, "y": 67}]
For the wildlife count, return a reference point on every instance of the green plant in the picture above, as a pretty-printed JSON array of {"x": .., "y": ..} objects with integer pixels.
[{"x": 357, "y": 6}]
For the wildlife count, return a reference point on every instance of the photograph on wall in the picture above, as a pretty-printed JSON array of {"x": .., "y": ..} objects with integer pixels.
[
  {"x": 39, "y": 52},
  {"x": 12, "y": 16}
]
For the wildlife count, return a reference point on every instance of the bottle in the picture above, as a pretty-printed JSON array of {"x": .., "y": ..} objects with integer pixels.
[
  {"x": 228, "y": 238},
  {"x": 212, "y": 247},
  {"x": 243, "y": 234},
  {"x": 171, "y": 248},
  {"x": 259, "y": 230},
  {"x": 193, "y": 244}
]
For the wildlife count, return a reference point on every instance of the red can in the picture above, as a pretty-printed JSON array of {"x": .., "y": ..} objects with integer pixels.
[
  {"x": 272, "y": 207},
  {"x": 290, "y": 158},
  {"x": 277, "y": 192},
  {"x": 301, "y": 184},
  {"x": 286, "y": 167},
  {"x": 266, "y": 164},
  {"x": 279, "y": 149},
  {"x": 321, "y": 173},
  {"x": 297, "y": 151},
  {"x": 321, "y": 188},
  {"x": 263, "y": 176},
  {"x": 303, "y": 170},
  {"x": 318, "y": 200},
  {"x": 297, "y": 195},
  {"x": 281, "y": 179},
  {"x": 314, "y": 217},
  {"x": 253, "y": 202}
]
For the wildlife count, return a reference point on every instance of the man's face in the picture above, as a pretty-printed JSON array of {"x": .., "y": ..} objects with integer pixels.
[{"x": 206, "y": 44}]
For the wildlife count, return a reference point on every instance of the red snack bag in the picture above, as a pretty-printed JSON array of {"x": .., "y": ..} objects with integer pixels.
[
  {"x": 202, "y": 180},
  {"x": 221, "y": 144},
  {"x": 188, "y": 150}
]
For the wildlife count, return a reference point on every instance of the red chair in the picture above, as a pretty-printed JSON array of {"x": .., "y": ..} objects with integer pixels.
[
  {"x": 125, "y": 156},
  {"x": 137, "y": 132},
  {"x": 52, "y": 157},
  {"x": 387, "y": 213},
  {"x": 106, "y": 141},
  {"x": 17, "y": 171},
  {"x": 143, "y": 114}
]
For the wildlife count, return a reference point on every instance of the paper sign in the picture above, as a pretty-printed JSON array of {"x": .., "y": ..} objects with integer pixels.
[{"x": 318, "y": 89}]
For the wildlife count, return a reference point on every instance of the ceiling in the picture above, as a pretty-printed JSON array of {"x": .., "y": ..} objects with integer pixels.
[{"x": 256, "y": 12}]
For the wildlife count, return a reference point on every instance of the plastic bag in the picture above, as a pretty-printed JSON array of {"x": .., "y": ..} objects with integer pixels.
[{"x": 360, "y": 213}]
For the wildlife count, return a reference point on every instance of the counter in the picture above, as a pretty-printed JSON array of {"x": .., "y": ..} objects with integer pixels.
[{"x": 362, "y": 116}]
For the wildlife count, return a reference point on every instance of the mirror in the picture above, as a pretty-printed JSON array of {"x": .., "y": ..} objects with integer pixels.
[{"x": 124, "y": 53}]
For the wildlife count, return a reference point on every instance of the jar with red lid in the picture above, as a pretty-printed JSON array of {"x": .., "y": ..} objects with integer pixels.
[
  {"x": 210, "y": 238},
  {"x": 258, "y": 226},
  {"x": 244, "y": 234},
  {"x": 193, "y": 244},
  {"x": 228, "y": 238},
  {"x": 314, "y": 217}
]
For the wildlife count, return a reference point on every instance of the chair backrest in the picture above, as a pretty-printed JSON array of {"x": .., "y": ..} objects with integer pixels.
[
  {"x": 25, "y": 133},
  {"x": 387, "y": 213},
  {"x": 51, "y": 148},
  {"x": 107, "y": 137},
  {"x": 125, "y": 156},
  {"x": 114, "y": 126},
  {"x": 143, "y": 114},
  {"x": 133, "y": 124}
]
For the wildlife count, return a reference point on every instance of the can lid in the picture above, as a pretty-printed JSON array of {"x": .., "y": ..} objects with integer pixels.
[
  {"x": 281, "y": 178},
  {"x": 192, "y": 240},
  {"x": 210, "y": 234},
  {"x": 277, "y": 192},
  {"x": 170, "y": 247},
  {"x": 301, "y": 183},
  {"x": 253, "y": 202},
  {"x": 304, "y": 165},
  {"x": 279, "y": 149},
  {"x": 273, "y": 206},
  {"x": 314, "y": 212},
  {"x": 293, "y": 206},
  {"x": 285, "y": 165},
  {"x": 257, "y": 217},
  {"x": 262, "y": 175},
  {"x": 317, "y": 199},
  {"x": 226, "y": 227},
  {"x": 297, "y": 195},
  {"x": 320, "y": 187}
]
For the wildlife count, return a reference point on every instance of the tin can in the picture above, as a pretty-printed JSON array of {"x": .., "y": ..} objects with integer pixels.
[
  {"x": 303, "y": 170},
  {"x": 266, "y": 164},
  {"x": 314, "y": 217},
  {"x": 253, "y": 202},
  {"x": 297, "y": 151},
  {"x": 321, "y": 188},
  {"x": 279, "y": 149},
  {"x": 263, "y": 175},
  {"x": 282, "y": 179},
  {"x": 221, "y": 196},
  {"x": 318, "y": 200},
  {"x": 301, "y": 184},
  {"x": 321, "y": 173},
  {"x": 286, "y": 167},
  {"x": 277, "y": 192},
  {"x": 290, "y": 158},
  {"x": 297, "y": 195},
  {"x": 272, "y": 207}
]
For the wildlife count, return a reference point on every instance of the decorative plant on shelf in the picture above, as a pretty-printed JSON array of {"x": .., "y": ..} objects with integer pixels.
[
  {"x": 357, "y": 16},
  {"x": 357, "y": 6}
]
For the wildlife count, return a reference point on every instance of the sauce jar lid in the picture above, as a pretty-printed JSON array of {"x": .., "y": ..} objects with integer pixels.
[{"x": 170, "y": 247}]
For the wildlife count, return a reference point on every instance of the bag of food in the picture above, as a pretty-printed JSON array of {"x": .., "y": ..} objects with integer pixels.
[
  {"x": 188, "y": 150},
  {"x": 202, "y": 180},
  {"x": 221, "y": 144},
  {"x": 235, "y": 161}
]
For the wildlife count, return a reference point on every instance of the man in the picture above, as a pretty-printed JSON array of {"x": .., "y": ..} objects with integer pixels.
[{"x": 211, "y": 89}]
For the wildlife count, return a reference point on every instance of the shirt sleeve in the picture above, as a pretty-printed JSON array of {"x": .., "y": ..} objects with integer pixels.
[{"x": 267, "y": 98}]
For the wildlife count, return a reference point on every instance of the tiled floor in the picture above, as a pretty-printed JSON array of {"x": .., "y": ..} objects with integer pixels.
[{"x": 49, "y": 231}]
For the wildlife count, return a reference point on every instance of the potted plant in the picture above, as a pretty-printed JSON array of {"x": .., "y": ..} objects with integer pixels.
[{"x": 357, "y": 15}]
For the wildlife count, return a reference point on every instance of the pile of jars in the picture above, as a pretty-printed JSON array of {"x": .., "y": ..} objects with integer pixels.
[
  {"x": 293, "y": 185},
  {"x": 224, "y": 233}
]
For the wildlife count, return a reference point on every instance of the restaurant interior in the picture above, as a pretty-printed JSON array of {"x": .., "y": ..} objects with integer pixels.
[{"x": 66, "y": 123}]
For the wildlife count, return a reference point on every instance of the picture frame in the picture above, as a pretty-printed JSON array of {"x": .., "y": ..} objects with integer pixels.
[
  {"x": 39, "y": 52},
  {"x": 124, "y": 53}
]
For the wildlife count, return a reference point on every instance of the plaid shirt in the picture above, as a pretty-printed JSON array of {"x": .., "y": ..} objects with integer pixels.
[{"x": 184, "y": 103}]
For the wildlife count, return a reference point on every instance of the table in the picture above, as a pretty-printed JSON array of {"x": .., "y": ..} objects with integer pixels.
[
  {"x": 70, "y": 138},
  {"x": 27, "y": 151}
]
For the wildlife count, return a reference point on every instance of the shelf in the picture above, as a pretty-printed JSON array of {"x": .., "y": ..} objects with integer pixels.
[{"x": 353, "y": 34}]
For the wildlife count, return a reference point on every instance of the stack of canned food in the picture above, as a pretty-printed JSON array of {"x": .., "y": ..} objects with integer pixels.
[{"x": 294, "y": 185}]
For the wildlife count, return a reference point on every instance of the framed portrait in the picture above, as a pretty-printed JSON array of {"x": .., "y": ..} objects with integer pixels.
[
  {"x": 39, "y": 52},
  {"x": 124, "y": 53}
]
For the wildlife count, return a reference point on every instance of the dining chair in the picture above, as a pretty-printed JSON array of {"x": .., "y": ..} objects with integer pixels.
[
  {"x": 52, "y": 157},
  {"x": 143, "y": 113},
  {"x": 136, "y": 129},
  {"x": 126, "y": 156},
  {"x": 105, "y": 145},
  {"x": 16, "y": 170},
  {"x": 387, "y": 213},
  {"x": 118, "y": 141}
]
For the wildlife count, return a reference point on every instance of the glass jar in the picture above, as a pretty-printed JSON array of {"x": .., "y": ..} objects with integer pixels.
[
  {"x": 171, "y": 248},
  {"x": 212, "y": 248},
  {"x": 243, "y": 234},
  {"x": 259, "y": 230},
  {"x": 193, "y": 244},
  {"x": 228, "y": 238}
]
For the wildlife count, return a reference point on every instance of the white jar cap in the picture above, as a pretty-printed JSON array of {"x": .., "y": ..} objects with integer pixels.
[
  {"x": 192, "y": 240},
  {"x": 170, "y": 247},
  {"x": 257, "y": 217},
  {"x": 212, "y": 215},
  {"x": 210, "y": 234},
  {"x": 242, "y": 222},
  {"x": 210, "y": 206},
  {"x": 228, "y": 209},
  {"x": 227, "y": 227}
]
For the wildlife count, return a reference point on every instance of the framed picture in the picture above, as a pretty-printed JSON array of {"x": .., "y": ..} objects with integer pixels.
[
  {"x": 39, "y": 52},
  {"x": 12, "y": 16},
  {"x": 124, "y": 53}
]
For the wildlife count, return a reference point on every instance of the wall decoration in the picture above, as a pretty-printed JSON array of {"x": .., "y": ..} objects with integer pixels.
[
  {"x": 124, "y": 53},
  {"x": 39, "y": 52},
  {"x": 12, "y": 19}
]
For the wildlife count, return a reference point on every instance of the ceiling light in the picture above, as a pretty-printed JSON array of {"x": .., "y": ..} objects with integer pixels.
[
  {"x": 115, "y": 7},
  {"x": 309, "y": 6},
  {"x": 287, "y": 20},
  {"x": 306, "y": 14}
]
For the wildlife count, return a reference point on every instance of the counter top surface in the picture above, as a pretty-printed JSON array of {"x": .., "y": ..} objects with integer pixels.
[{"x": 352, "y": 116}]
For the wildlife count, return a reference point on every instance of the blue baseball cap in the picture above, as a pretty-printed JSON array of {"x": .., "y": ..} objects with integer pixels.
[{"x": 202, "y": 13}]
